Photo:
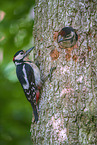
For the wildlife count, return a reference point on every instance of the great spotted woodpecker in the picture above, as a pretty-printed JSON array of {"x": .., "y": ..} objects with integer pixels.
[
  {"x": 67, "y": 37},
  {"x": 28, "y": 75}
]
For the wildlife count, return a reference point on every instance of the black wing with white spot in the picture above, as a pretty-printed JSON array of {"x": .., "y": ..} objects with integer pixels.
[
  {"x": 26, "y": 77},
  {"x": 31, "y": 91}
]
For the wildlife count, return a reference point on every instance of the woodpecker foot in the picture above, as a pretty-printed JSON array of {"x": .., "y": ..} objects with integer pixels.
[
  {"x": 51, "y": 71},
  {"x": 49, "y": 75},
  {"x": 37, "y": 63}
]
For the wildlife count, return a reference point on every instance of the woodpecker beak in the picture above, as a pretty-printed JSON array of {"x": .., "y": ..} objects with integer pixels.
[
  {"x": 60, "y": 40},
  {"x": 28, "y": 51}
]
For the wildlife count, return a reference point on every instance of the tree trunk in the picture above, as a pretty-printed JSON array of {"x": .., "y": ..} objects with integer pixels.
[{"x": 67, "y": 107}]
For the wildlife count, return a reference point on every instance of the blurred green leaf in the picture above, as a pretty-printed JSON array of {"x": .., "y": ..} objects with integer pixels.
[
  {"x": 10, "y": 72},
  {"x": 16, "y": 28}
]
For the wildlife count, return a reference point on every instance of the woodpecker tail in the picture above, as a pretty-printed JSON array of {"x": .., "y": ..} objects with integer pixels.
[{"x": 35, "y": 112}]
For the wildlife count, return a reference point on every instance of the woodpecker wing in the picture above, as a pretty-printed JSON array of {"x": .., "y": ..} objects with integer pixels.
[
  {"x": 26, "y": 77},
  {"x": 31, "y": 92}
]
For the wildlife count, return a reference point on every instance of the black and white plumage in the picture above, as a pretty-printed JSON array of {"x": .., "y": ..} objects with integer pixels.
[
  {"x": 67, "y": 37},
  {"x": 28, "y": 75}
]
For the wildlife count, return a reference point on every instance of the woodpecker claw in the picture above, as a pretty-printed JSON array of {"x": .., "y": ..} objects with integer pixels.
[
  {"x": 51, "y": 71},
  {"x": 50, "y": 74}
]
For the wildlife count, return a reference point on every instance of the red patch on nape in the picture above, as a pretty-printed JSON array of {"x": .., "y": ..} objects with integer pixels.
[
  {"x": 62, "y": 33},
  {"x": 37, "y": 95},
  {"x": 13, "y": 58}
]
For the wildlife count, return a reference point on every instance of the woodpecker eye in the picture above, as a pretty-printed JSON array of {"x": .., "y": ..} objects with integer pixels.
[{"x": 21, "y": 53}]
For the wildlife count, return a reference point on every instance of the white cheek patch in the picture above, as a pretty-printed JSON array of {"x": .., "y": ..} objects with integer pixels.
[
  {"x": 18, "y": 57},
  {"x": 17, "y": 63},
  {"x": 70, "y": 35}
]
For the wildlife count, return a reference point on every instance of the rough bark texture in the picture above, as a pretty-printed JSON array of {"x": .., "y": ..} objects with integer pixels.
[{"x": 68, "y": 103}]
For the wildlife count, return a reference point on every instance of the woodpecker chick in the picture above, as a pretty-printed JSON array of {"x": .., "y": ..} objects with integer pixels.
[
  {"x": 67, "y": 37},
  {"x": 28, "y": 75}
]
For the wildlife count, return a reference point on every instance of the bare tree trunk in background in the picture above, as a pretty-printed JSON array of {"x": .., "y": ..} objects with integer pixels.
[{"x": 68, "y": 103}]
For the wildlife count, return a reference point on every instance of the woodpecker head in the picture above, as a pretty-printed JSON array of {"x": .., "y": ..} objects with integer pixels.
[
  {"x": 67, "y": 37},
  {"x": 21, "y": 55}
]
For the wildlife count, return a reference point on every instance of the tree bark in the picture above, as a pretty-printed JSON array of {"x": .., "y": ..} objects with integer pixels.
[{"x": 67, "y": 107}]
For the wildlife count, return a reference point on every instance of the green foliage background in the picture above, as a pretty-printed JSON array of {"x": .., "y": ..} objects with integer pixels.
[{"x": 15, "y": 111}]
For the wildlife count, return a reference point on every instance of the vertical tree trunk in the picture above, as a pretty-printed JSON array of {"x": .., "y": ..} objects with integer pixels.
[{"x": 68, "y": 103}]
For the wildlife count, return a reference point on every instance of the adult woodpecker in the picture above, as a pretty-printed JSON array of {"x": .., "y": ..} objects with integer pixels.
[
  {"x": 67, "y": 37},
  {"x": 28, "y": 75}
]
